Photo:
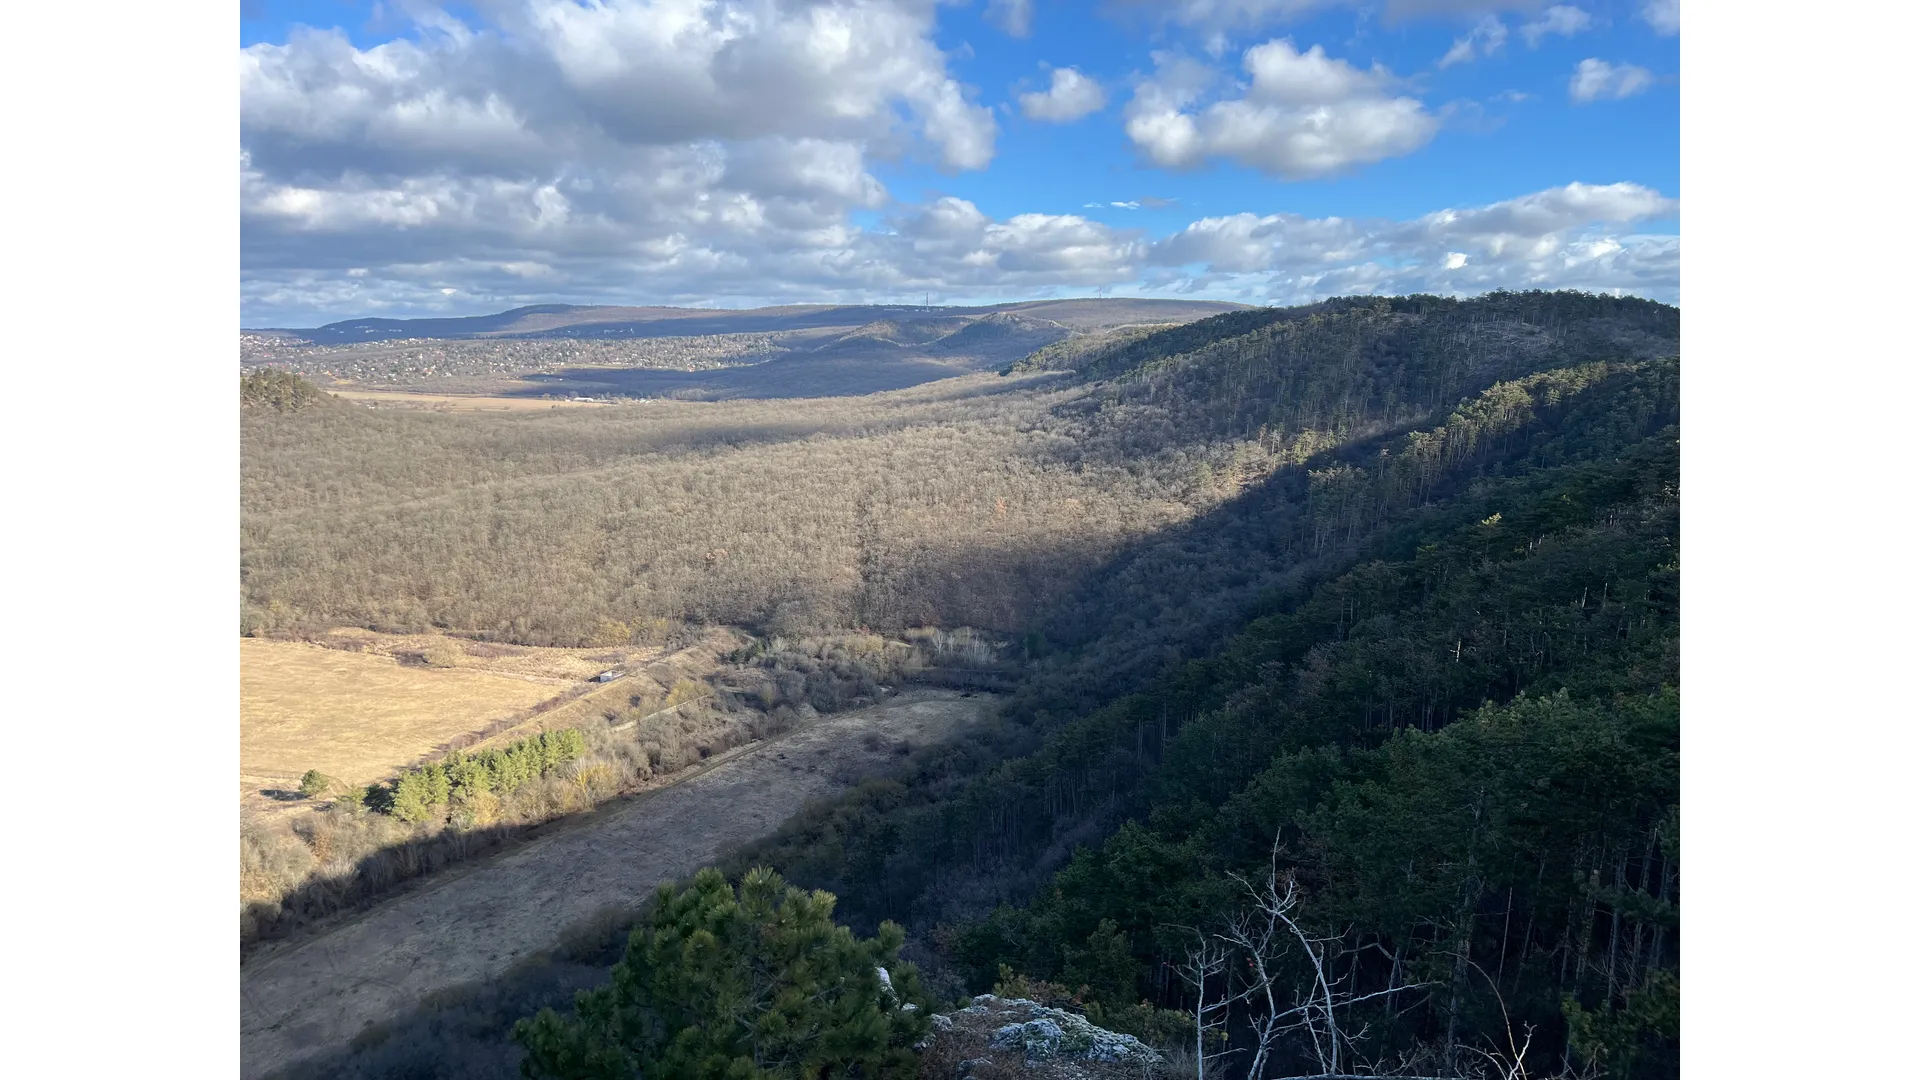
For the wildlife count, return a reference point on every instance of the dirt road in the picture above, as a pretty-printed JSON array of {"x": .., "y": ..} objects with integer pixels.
[{"x": 476, "y": 923}]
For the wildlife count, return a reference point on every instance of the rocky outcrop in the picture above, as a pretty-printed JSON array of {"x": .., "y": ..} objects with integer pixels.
[{"x": 1005, "y": 1038}]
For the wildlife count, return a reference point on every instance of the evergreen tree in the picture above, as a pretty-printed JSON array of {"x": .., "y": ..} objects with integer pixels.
[
  {"x": 1104, "y": 966},
  {"x": 315, "y": 783},
  {"x": 727, "y": 984},
  {"x": 412, "y": 799}
]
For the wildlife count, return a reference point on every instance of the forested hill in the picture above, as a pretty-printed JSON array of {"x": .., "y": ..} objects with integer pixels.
[
  {"x": 1376, "y": 600},
  {"x": 1146, "y": 509},
  {"x": 1329, "y": 422},
  {"x": 1492, "y": 330},
  {"x": 1428, "y": 675}
]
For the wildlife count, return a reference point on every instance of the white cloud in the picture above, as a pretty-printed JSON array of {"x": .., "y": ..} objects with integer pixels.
[
  {"x": 558, "y": 78},
  {"x": 583, "y": 148},
  {"x": 1303, "y": 115},
  {"x": 1485, "y": 39},
  {"x": 495, "y": 249},
  {"x": 1013, "y": 16},
  {"x": 1662, "y": 15},
  {"x": 1217, "y": 15},
  {"x": 1560, "y": 20},
  {"x": 1070, "y": 97},
  {"x": 950, "y": 243},
  {"x": 1566, "y": 237},
  {"x": 1596, "y": 80},
  {"x": 1489, "y": 35}
]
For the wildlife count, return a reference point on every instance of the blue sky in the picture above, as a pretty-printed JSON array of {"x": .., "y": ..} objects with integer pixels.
[{"x": 413, "y": 158}]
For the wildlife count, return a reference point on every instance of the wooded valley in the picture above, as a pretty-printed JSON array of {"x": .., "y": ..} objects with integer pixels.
[{"x": 1343, "y": 729}]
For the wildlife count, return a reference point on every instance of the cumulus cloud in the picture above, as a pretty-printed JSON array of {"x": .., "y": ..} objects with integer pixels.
[
  {"x": 1013, "y": 16},
  {"x": 1303, "y": 115},
  {"x": 1560, "y": 20},
  {"x": 558, "y": 142},
  {"x": 520, "y": 246},
  {"x": 1597, "y": 80},
  {"x": 1566, "y": 237},
  {"x": 1070, "y": 97},
  {"x": 1662, "y": 15},
  {"x": 951, "y": 244},
  {"x": 1222, "y": 15},
  {"x": 1485, "y": 39},
  {"x": 554, "y": 79}
]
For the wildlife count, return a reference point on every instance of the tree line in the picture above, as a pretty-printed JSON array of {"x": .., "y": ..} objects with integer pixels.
[{"x": 462, "y": 780}]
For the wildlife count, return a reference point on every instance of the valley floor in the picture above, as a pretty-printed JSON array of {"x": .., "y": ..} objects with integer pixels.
[{"x": 315, "y": 994}]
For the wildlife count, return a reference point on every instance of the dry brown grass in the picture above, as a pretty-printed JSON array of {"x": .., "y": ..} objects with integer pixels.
[
  {"x": 555, "y": 666},
  {"x": 652, "y": 675},
  {"x": 361, "y": 715},
  {"x": 306, "y": 859},
  {"x": 359, "y": 705}
]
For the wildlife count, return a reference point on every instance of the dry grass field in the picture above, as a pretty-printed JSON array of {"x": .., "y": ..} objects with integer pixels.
[
  {"x": 358, "y": 706},
  {"x": 357, "y": 716}
]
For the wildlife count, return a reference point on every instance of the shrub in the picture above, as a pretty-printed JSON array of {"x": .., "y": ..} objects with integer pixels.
[
  {"x": 271, "y": 860},
  {"x": 475, "y": 809},
  {"x": 315, "y": 783},
  {"x": 442, "y": 654},
  {"x": 756, "y": 982},
  {"x": 610, "y": 632},
  {"x": 687, "y": 690}
]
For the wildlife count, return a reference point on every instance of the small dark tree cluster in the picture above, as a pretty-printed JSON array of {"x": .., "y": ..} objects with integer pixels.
[
  {"x": 418, "y": 794},
  {"x": 281, "y": 391}
]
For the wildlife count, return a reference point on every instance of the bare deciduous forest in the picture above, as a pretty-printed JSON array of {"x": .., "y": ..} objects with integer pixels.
[{"x": 983, "y": 501}]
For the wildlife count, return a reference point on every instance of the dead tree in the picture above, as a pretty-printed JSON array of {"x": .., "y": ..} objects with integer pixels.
[
  {"x": 1266, "y": 934},
  {"x": 1206, "y": 960},
  {"x": 1290, "y": 985}
]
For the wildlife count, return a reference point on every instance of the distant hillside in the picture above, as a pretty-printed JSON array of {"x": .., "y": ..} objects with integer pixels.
[
  {"x": 567, "y": 320},
  {"x": 1003, "y": 333}
]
